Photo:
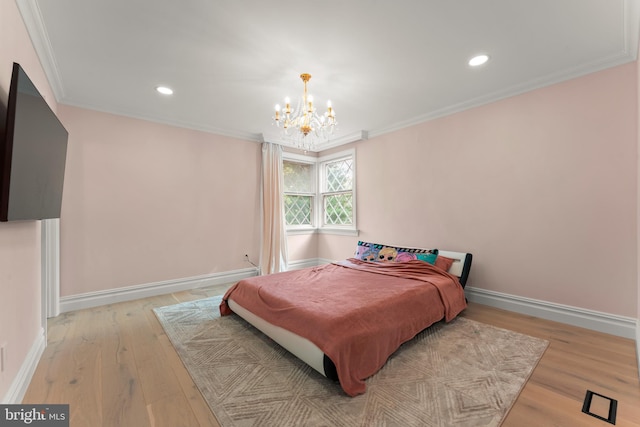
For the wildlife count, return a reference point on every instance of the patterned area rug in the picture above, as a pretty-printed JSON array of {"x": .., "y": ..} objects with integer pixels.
[{"x": 463, "y": 373}]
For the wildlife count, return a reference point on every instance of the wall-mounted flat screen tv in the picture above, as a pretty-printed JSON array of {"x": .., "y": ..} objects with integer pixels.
[{"x": 33, "y": 153}]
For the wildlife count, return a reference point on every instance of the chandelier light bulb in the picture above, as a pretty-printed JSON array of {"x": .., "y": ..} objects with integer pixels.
[
  {"x": 310, "y": 103},
  {"x": 278, "y": 107}
]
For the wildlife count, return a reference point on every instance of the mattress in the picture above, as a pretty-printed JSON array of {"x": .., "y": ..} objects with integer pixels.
[{"x": 393, "y": 306}]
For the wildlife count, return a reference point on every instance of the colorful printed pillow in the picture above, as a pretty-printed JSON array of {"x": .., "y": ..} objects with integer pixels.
[
  {"x": 367, "y": 251},
  {"x": 384, "y": 253}
]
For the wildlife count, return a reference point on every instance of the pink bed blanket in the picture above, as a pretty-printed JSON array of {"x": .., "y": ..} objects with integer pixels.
[{"x": 358, "y": 313}]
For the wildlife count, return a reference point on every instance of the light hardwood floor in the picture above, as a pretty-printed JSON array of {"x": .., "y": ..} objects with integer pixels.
[{"x": 115, "y": 367}]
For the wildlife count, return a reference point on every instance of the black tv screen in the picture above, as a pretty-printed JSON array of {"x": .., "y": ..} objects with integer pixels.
[{"x": 33, "y": 154}]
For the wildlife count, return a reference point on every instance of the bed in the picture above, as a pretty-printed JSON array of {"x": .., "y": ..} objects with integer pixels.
[{"x": 345, "y": 319}]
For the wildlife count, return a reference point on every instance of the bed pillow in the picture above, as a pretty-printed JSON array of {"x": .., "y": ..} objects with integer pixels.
[
  {"x": 444, "y": 263},
  {"x": 366, "y": 251},
  {"x": 385, "y": 253},
  {"x": 430, "y": 257}
]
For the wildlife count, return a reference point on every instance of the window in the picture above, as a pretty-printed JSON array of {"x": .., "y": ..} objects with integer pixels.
[
  {"x": 319, "y": 193},
  {"x": 299, "y": 193},
  {"x": 337, "y": 192}
]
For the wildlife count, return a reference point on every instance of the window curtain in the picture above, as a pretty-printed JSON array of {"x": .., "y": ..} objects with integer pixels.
[{"x": 273, "y": 254}]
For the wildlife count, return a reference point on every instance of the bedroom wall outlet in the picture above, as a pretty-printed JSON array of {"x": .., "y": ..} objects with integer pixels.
[{"x": 246, "y": 258}]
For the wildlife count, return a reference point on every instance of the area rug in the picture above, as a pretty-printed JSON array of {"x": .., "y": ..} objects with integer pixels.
[{"x": 462, "y": 373}]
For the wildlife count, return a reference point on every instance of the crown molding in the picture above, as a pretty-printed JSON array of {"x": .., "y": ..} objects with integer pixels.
[
  {"x": 345, "y": 139},
  {"x": 32, "y": 18},
  {"x": 550, "y": 79},
  {"x": 631, "y": 24},
  {"x": 629, "y": 53},
  {"x": 245, "y": 136}
]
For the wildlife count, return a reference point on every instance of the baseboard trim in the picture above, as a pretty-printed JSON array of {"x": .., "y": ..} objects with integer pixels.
[
  {"x": 638, "y": 345},
  {"x": 304, "y": 263},
  {"x": 111, "y": 296},
  {"x": 626, "y": 327},
  {"x": 20, "y": 384},
  {"x": 590, "y": 319}
]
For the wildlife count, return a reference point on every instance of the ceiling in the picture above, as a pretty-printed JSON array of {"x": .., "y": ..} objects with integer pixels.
[{"x": 384, "y": 64}]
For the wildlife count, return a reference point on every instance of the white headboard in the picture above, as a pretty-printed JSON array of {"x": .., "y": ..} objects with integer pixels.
[{"x": 460, "y": 266}]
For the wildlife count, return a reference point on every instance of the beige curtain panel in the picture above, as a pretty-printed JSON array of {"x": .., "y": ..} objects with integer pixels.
[{"x": 273, "y": 254}]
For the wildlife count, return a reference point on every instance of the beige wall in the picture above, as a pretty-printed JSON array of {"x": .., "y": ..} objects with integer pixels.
[
  {"x": 145, "y": 202},
  {"x": 302, "y": 247},
  {"x": 540, "y": 187},
  {"x": 20, "y": 324}
]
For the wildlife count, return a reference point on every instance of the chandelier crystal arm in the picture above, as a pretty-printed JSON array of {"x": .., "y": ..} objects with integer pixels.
[{"x": 303, "y": 126}]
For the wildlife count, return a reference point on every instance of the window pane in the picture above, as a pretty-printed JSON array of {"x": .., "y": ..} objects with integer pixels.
[
  {"x": 339, "y": 175},
  {"x": 338, "y": 209},
  {"x": 297, "y": 177},
  {"x": 297, "y": 210}
]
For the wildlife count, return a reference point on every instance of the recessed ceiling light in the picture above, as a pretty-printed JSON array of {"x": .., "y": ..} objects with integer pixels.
[
  {"x": 478, "y": 60},
  {"x": 164, "y": 90}
]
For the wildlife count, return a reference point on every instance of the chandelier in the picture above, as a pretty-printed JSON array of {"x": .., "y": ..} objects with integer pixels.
[{"x": 303, "y": 126}]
